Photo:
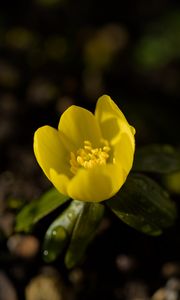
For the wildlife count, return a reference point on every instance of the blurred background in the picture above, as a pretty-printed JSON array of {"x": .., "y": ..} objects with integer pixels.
[{"x": 55, "y": 53}]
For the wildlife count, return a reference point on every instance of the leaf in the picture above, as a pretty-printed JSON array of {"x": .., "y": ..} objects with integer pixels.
[
  {"x": 162, "y": 159},
  {"x": 60, "y": 231},
  {"x": 39, "y": 208},
  {"x": 83, "y": 232},
  {"x": 143, "y": 205}
]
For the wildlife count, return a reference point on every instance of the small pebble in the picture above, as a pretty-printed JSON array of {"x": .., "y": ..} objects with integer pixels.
[
  {"x": 125, "y": 263},
  {"x": 136, "y": 290},
  {"x": 170, "y": 269},
  {"x": 23, "y": 246},
  {"x": 160, "y": 294},
  {"x": 76, "y": 276},
  {"x": 45, "y": 287},
  {"x": 7, "y": 290},
  {"x": 6, "y": 223}
]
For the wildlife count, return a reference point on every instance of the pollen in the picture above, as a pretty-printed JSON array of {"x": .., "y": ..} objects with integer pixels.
[{"x": 89, "y": 157}]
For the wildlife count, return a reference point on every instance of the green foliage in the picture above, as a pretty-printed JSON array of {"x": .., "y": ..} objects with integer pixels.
[
  {"x": 73, "y": 229},
  {"x": 39, "y": 208},
  {"x": 83, "y": 232},
  {"x": 143, "y": 205},
  {"x": 162, "y": 159},
  {"x": 60, "y": 231},
  {"x": 171, "y": 182},
  {"x": 160, "y": 45}
]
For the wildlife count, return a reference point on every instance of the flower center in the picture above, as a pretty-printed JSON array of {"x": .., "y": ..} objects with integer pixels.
[{"x": 89, "y": 157}]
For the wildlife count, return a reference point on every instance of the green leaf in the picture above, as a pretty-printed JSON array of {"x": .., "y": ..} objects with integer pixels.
[
  {"x": 83, "y": 232},
  {"x": 39, "y": 208},
  {"x": 60, "y": 231},
  {"x": 143, "y": 205},
  {"x": 162, "y": 159}
]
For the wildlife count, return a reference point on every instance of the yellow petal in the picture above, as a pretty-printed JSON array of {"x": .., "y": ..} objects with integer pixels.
[
  {"x": 79, "y": 124},
  {"x": 124, "y": 152},
  {"x": 50, "y": 151},
  {"x": 97, "y": 184},
  {"x": 112, "y": 121},
  {"x": 60, "y": 181}
]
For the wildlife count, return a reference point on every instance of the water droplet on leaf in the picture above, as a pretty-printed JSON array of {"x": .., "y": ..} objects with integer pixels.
[{"x": 54, "y": 244}]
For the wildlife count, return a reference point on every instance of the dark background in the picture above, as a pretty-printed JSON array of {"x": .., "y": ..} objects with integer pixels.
[{"x": 54, "y": 53}]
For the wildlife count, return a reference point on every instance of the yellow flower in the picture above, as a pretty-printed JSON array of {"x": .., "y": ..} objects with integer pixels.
[{"x": 90, "y": 155}]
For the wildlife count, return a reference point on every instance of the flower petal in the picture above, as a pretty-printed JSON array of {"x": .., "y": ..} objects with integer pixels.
[
  {"x": 79, "y": 124},
  {"x": 50, "y": 151},
  {"x": 60, "y": 181},
  {"x": 124, "y": 152},
  {"x": 112, "y": 121},
  {"x": 97, "y": 184}
]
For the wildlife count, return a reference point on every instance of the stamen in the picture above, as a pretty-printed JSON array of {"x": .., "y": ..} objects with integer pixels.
[{"x": 89, "y": 157}]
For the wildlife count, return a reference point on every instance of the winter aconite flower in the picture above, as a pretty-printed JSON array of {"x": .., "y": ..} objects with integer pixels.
[{"x": 90, "y": 155}]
